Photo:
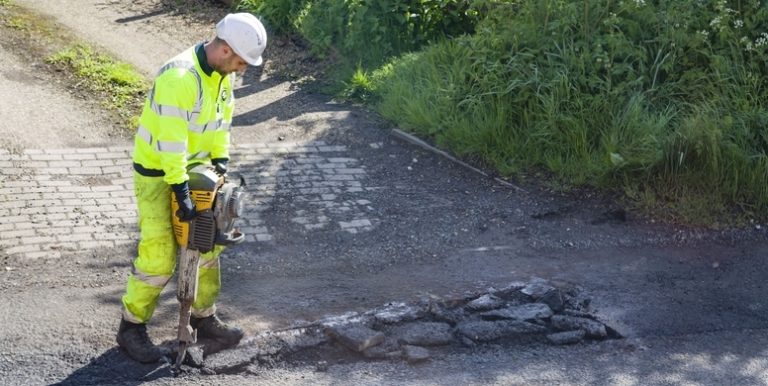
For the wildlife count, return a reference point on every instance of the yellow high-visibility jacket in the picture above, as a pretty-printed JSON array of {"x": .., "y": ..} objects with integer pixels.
[{"x": 186, "y": 118}]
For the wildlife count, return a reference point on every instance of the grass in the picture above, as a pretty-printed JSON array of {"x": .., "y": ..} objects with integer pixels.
[
  {"x": 118, "y": 86},
  {"x": 677, "y": 126}
]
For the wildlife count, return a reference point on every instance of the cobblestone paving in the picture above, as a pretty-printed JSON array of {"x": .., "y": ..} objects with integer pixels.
[{"x": 56, "y": 202}]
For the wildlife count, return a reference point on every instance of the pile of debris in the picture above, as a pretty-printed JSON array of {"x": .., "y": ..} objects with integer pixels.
[{"x": 519, "y": 313}]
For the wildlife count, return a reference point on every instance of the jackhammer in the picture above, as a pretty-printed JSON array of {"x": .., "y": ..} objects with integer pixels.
[{"x": 219, "y": 202}]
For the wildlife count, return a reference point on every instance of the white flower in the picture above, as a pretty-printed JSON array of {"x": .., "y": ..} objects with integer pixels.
[
  {"x": 738, "y": 23},
  {"x": 762, "y": 40},
  {"x": 720, "y": 5},
  {"x": 703, "y": 33}
]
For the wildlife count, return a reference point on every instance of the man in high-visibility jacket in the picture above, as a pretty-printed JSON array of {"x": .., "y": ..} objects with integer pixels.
[{"x": 186, "y": 120}]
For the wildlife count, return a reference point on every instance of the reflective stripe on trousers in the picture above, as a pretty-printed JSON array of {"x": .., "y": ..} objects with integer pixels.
[{"x": 156, "y": 260}]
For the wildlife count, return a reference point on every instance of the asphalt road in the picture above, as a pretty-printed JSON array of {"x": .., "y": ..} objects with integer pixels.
[{"x": 691, "y": 303}]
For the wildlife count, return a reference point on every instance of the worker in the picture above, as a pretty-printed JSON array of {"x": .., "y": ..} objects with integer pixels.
[{"x": 186, "y": 120}]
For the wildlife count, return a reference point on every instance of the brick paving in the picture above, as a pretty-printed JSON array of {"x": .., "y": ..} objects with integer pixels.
[{"x": 57, "y": 202}]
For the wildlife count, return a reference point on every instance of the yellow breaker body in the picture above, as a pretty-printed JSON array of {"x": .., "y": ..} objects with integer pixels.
[
  {"x": 218, "y": 203},
  {"x": 193, "y": 237}
]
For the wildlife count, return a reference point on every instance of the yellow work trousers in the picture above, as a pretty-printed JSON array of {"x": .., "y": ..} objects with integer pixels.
[{"x": 156, "y": 260}]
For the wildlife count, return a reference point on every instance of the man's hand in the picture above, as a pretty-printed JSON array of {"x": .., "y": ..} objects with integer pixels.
[
  {"x": 187, "y": 210},
  {"x": 220, "y": 164}
]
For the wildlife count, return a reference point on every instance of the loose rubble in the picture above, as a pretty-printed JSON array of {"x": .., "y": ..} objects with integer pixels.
[{"x": 520, "y": 312}]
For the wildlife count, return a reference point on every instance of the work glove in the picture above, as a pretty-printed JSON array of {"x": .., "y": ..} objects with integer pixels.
[
  {"x": 220, "y": 164},
  {"x": 187, "y": 210}
]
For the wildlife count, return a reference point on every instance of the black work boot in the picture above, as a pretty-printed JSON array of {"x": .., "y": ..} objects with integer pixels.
[
  {"x": 134, "y": 340},
  {"x": 214, "y": 329}
]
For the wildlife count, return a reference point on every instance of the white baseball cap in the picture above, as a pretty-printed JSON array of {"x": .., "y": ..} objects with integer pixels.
[{"x": 245, "y": 34}]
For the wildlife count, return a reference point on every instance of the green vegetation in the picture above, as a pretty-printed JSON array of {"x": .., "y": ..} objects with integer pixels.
[
  {"x": 661, "y": 100},
  {"x": 283, "y": 16},
  {"x": 121, "y": 86},
  {"x": 365, "y": 31}
]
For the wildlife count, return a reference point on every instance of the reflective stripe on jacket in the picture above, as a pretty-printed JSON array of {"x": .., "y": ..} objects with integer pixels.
[{"x": 186, "y": 118}]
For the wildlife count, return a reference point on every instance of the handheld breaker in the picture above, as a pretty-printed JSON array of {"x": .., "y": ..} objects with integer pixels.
[{"x": 218, "y": 202}]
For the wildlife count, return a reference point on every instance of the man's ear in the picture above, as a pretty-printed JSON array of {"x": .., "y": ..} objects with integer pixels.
[{"x": 226, "y": 49}]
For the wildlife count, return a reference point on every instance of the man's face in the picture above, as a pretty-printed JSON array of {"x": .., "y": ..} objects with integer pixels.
[{"x": 230, "y": 63}]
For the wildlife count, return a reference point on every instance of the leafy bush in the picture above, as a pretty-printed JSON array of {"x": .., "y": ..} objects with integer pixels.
[
  {"x": 367, "y": 31},
  {"x": 662, "y": 98},
  {"x": 282, "y": 16}
]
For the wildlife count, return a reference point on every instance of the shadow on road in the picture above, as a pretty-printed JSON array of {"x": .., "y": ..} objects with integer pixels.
[
  {"x": 291, "y": 106},
  {"x": 205, "y": 14},
  {"x": 113, "y": 367},
  {"x": 142, "y": 16}
]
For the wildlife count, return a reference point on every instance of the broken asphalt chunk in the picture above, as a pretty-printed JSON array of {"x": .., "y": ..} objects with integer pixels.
[
  {"x": 530, "y": 311},
  {"x": 594, "y": 329},
  {"x": 382, "y": 351},
  {"x": 554, "y": 299},
  {"x": 415, "y": 354},
  {"x": 484, "y": 331},
  {"x": 397, "y": 313},
  {"x": 537, "y": 289},
  {"x": 344, "y": 319},
  {"x": 485, "y": 302},
  {"x": 426, "y": 334},
  {"x": 355, "y": 337},
  {"x": 450, "y": 316}
]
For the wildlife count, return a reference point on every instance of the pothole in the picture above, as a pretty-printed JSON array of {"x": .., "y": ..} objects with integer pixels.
[{"x": 520, "y": 313}]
